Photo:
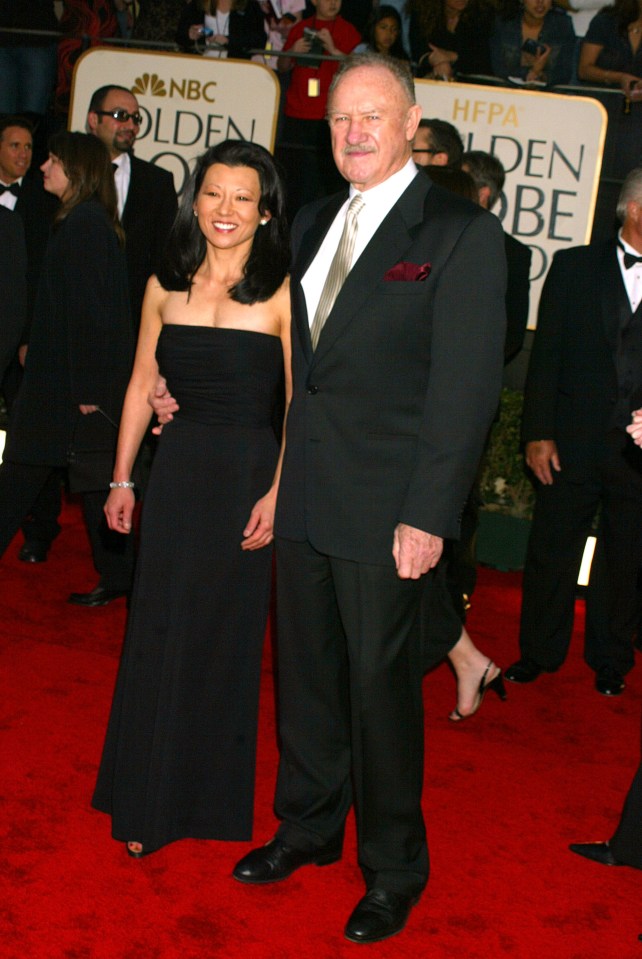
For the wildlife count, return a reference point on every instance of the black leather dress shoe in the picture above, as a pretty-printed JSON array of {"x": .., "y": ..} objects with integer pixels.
[
  {"x": 32, "y": 551},
  {"x": 523, "y": 671},
  {"x": 609, "y": 682},
  {"x": 276, "y": 861},
  {"x": 379, "y": 915},
  {"x": 596, "y": 851},
  {"x": 97, "y": 597}
]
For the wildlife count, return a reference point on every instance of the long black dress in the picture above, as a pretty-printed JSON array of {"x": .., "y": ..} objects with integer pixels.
[{"x": 179, "y": 754}]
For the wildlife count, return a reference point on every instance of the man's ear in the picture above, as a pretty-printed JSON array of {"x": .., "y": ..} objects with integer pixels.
[
  {"x": 484, "y": 197},
  {"x": 92, "y": 121}
]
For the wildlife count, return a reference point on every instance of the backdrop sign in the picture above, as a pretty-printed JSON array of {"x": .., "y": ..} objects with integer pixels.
[
  {"x": 188, "y": 103},
  {"x": 551, "y": 147}
]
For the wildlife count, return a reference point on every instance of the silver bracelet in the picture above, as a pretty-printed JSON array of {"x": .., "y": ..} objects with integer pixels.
[{"x": 126, "y": 484}]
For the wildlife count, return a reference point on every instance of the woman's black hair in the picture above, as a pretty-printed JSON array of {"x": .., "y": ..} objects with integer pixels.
[
  {"x": 384, "y": 12},
  {"x": 269, "y": 259}
]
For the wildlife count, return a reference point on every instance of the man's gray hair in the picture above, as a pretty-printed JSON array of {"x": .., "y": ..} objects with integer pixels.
[
  {"x": 631, "y": 192},
  {"x": 397, "y": 68}
]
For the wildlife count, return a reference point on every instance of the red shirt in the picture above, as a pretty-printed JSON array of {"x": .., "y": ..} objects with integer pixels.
[{"x": 298, "y": 103}]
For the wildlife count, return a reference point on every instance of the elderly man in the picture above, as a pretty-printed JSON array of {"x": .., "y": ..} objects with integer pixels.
[
  {"x": 585, "y": 367},
  {"x": 398, "y": 304}
]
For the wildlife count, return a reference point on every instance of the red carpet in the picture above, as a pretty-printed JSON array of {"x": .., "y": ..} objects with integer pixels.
[{"x": 505, "y": 794}]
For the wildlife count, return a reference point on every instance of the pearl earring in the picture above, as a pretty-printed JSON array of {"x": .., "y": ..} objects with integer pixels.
[
  {"x": 195, "y": 213},
  {"x": 263, "y": 222}
]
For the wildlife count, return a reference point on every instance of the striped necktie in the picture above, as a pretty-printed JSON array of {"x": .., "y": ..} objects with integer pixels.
[{"x": 339, "y": 268}]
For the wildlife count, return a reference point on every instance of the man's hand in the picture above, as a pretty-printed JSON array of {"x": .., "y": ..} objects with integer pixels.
[
  {"x": 635, "y": 427},
  {"x": 415, "y": 551},
  {"x": 540, "y": 455},
  {"x": 163, "y": 404}
]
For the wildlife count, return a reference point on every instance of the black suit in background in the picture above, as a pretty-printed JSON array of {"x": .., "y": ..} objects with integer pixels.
[
  {"x": 13, "y": 286},
  {"x": 585, "y": 365},
  {"x": 80, "y": 352},
  {"x": 150, "y": 209},
  {"x": 386, "y": 426},
  {"x": 36, "y": 208}
]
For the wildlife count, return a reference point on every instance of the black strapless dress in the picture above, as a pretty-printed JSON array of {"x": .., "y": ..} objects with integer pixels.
[{"x": 179, "y": 753}]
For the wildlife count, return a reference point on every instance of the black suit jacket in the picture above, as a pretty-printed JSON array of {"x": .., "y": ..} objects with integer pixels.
[
  {"x": 148, "y": 215},
  {"x": 571, "y": 387},
  {"x": 36, "y": 208},
  {"x": 13, "y": 285},
  {"x": 518, "y": 262},
  {"x": 81, "y": 345},
  {"x": 389, "y": 415}
]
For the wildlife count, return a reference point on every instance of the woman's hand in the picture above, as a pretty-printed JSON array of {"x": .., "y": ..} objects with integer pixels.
[
  {"x": 194, "y": 31},
  {"x": 86, "y": 408},
  {"x": 538, "y": 63},
  {"x": 260, "y": 526},
  {"x": 441, "y": 62},
  {"x": 300, "y": 46},
  {"x": 119, "y": 509}
]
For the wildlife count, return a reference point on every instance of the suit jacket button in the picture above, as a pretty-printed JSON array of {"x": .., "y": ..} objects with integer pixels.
[{"x": 312, "y": 390}]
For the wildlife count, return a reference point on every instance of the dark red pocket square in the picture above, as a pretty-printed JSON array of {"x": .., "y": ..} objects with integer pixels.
[{"x": 408, "y": 271}]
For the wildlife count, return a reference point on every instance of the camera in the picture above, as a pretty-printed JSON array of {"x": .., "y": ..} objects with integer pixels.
[
  {"x": 533, "y": 47},
  {"x": 205, "y": 32},
  {"x": 316, "y": 45}
]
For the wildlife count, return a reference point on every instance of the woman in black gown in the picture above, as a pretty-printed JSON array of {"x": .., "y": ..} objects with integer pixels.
[{"x": 179, "y": 753}]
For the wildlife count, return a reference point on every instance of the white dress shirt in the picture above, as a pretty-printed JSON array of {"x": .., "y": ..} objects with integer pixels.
[
  {"x": 9, "y": 199},
  {"x": 633, "y": 276},
  {"x": 122, "y": 176},
  {"x": 378, "y": 203}
]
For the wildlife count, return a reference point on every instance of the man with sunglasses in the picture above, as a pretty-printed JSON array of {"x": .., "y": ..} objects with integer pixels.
[{"x": 146, "y": 196}]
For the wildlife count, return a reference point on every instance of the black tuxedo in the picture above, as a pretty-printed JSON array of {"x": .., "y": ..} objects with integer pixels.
[
  {"x": 150, "y": 209},
  {"x": 518, "y": 263},
  {"x": 579, "y": 392},
  {"x": 36, "y": 208},
  {"x": 386, "y": 425},
  {"x": 13, "y": 286}
]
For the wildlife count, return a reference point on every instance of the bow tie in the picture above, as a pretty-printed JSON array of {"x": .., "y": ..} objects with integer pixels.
[
  {"x": 629, "y": 259},
  {"x": 13, "y": 188}
]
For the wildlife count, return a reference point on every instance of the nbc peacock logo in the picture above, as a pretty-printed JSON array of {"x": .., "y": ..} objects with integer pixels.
[{"x": 149, "y": 84}]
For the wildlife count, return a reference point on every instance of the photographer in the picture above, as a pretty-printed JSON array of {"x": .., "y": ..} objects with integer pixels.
[{"x": 307, "y": 157}]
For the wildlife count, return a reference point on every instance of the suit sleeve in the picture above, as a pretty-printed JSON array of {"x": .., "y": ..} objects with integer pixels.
[
  {"x": 13, "y": 287},
  {"x": 467, "y": 347},
  {"x": 518, "y": 258},
  {"x": 542, "y": 381}
]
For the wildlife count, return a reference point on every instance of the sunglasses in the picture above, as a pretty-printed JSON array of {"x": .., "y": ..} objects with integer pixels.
[{"x": 121, "y": 116}]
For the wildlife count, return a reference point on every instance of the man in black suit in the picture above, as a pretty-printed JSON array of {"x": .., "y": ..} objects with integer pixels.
[
  {"x": 437, "y": 143},
  {"x": 393, "y": 395},
  {"x": 22, "y": 192},
  {"x": 13, "y": 286},
  {"x": 585, "y": 365},
  {"x": 146, "y": 196}
]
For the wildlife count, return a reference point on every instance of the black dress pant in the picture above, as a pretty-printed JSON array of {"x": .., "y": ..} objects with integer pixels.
[
  {"x": 20, "y": 486},
  {"x": 563, "y": 518},
  {"x": 351, "y": 712}
]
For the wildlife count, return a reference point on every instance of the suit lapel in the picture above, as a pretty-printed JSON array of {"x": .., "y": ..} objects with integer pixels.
[{"x": 386, "y": 247}]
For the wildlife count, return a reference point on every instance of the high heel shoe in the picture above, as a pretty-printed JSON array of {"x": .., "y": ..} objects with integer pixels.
[
  {"x": 497, "y": 686},
  {"x": 135, "y": 853}
]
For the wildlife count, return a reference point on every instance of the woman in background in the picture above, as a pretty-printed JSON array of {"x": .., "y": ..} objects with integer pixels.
[
  {"x": 533, "y": 41},
  {"x": 179, "y": 753},
  {"x": 450, "y": 37},
  {"x": 80, "y": 354}
]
